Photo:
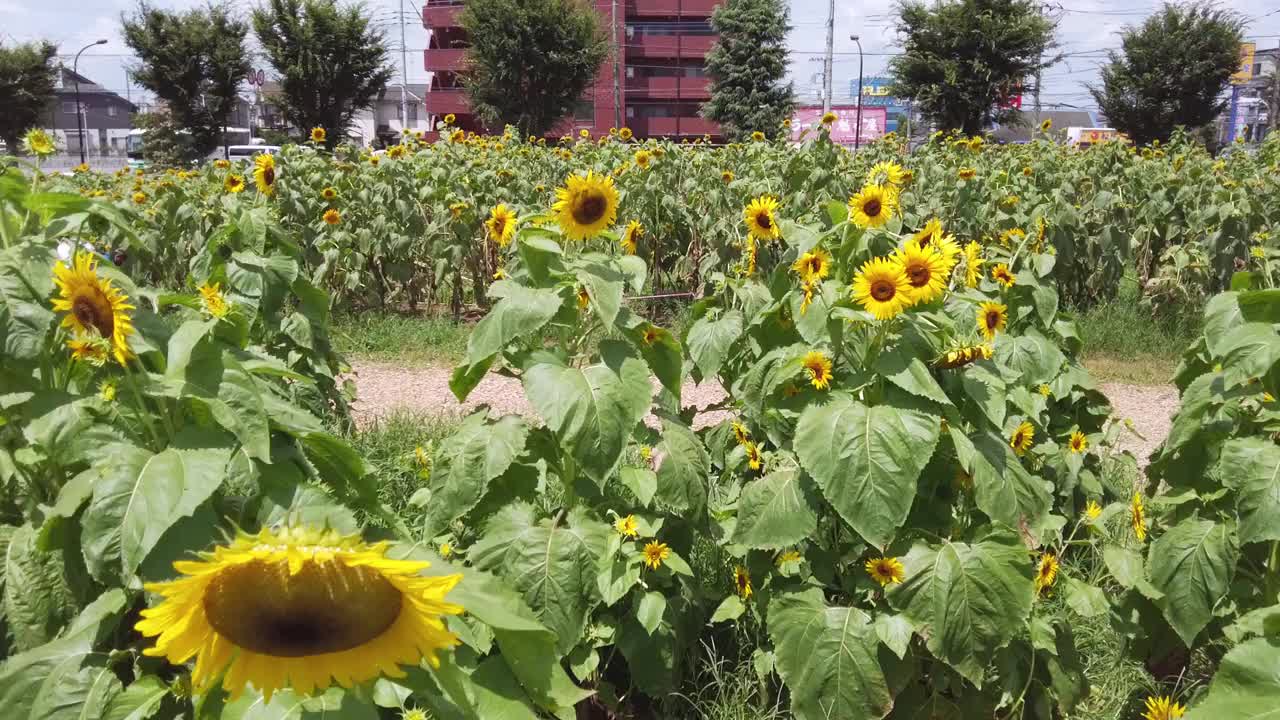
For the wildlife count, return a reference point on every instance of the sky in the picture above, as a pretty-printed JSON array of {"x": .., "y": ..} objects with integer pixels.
[{"x": 1086, "y": 28}]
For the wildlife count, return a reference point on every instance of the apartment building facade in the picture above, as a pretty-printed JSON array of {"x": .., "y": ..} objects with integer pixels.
[{"x": 661, "y": 79}]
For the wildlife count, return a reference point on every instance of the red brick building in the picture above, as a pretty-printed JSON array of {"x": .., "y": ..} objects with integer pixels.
[{"x": 663, "y": 46}]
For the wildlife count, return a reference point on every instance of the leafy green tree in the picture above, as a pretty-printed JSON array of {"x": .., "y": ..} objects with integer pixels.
[
  {"x": 1172, "y": 72},
  {"x": 165, "y": 146},
  {"x": 962, "y": 59},
  {"x": 26, "y": 86},
  {"x": 748, "y": 66},
  {"x": 194, "y": 61},
  {"x": 530, "y": 60},
  {"x": 331, "y": 60}
]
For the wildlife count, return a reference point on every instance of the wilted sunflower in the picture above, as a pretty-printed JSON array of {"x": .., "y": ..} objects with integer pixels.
[
  {"x": 1046, "y": 572},
  {"x": 299, "y": 608},
  {"x": 631, "y": 236},
  {"x": 89, "y": 348},
  {"x": 93, "y": 305},
  {"x": 886, "y": 570},
  {"x": 501, "y": 225},
  {"x": 1162, "y": 708},
  {"x": 818, "y": 365},
  {"x": 1003, "y": 276},
  {"x": 813, "y": 265},
  {"x": 626, "y": 526},
  {"x": 972, "y": 264},
  {"x": 926, "y": 271},
  {"x": 331, "y": 217},
  {"x": 742, "y": 582},
  {"x": 1138, "y": 517},
  {"x": 1078, "y": 442},
  {"x": 643, "y": 158},
  {"x": 329, "y": 193},
  {"x": 740, "y": 432},
  {"x": 761, "y": 218},
  {"x": 992, "y": 318},
  {"x": 234, "y": 183},
  {"x": 882, "y": 288},
  {"x": 886, "y": 173},
  {"x": 808, "y": 289},
  {"x": 584, "y": 298},
  {"x": 457, "y": 136},
  {"x": 214, "y": 302},
  {"x": 318, "y": 135},
  {"x": 651, "y": 334},
  {"x": 654, "y": 553},
  {"x": 1022, "y": 438},
  {"x": 264, "y": 173},
  {"x": 873, "y": 206},
  {"x": 586, "y": 205}
]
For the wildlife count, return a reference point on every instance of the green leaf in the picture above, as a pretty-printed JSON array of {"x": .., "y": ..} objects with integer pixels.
[
  {"x": 1251, "y": 349},
  {"x": 604, "y": 287},
  {"x": 710, "y": 340},
  {"x": 591, "y": 410},
  {"x": 986, "y": 389},
  {"x": 1251, "y": 467},
  {"x": 827, "y": 656},
  {"x": 617, "y": 579},
  {"x": 1192, "y": 563},
  {"x": 339, "y": 466},
  {"x": 683, "y": 467},
  {"x": 731, "y": 608},
  {"x": 866, "y": 460},
  {"x": 498, "y": 692},
  {"x": 37, "y": 600},
  {"x": 649, "y": 610},
  {"x": 642, "y": 482},
  {"x": 139, "y": 701},
  {"x": 1221, "y": 314},
  {"x": 967, "y": 600},
  {"x": 468, "y": 461},
  {"x": 895, "y": 632},
  {"x": 26, "y": 282},
  {"x": 76, "y": 692},
  {"x": 521, "y": 312},
  {"x": 1085, "y": 599},
  {"x": 907, "y": 372},
  {"x": 1035, "y": 358},
  {"x": 775, "y": 511},
  {"x": 1003, "y": 488},
  {"x": 1247, "y": 685}
]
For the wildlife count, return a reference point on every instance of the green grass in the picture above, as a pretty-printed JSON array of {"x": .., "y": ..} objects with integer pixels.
[
  {"x": 388, "y": 444},
  {"x": 401, "y": 339},
  {"x": 1123, "y": 342}
]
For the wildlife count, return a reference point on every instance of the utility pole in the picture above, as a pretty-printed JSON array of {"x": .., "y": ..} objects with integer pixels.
[
  {"x": 404, "y": 75},
  {"x": 826, "y": 63},
  {"x": 857, "y": 122},
  {"x": 1037, "y": 92},
  {"x": 80, "y": 119},
  {"x": 617, "y": 66}
]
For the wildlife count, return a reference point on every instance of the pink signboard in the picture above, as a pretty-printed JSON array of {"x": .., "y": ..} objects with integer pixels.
[{"x": 842, "y": 131}]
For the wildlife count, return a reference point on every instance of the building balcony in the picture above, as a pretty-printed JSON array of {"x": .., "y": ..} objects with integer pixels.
[
  {"x": 441, "y": 13},
  {"x": 683, "y": 47},
  {"x": 444, "y": 59},
  {"x": 685, "y": 126},
  {"x": 668, "y": 88},
  {"x": 443, "y": 102},
  {"x": 671, "y": 8}
]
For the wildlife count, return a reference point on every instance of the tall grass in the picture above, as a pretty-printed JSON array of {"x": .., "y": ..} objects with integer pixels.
[
  {"x": 1125, "y": 342},
  {"x": 408, "y": 340}
]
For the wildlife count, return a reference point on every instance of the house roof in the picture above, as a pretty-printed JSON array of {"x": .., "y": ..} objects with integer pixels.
[
  {"x": 68, "y": 81},
  {"x": 1062, "y": 119},
  {"x": 416, "y": 91}
]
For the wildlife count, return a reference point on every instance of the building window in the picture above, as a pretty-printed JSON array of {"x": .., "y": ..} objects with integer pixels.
[
  {"x": 413, "y": 112},
  {"x": 69, "y": 108},
  {"x": 584, "y": 111},
  {"x": 113, "y": 110}
]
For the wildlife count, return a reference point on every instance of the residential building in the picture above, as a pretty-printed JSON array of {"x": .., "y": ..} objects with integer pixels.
[
  {"x": 659, "y": 88},
  {"x": 105, "y": 116},
  {"x": 1025, "y": 130},
  {"x": 1247, "y": 117},
  {"x": 379, "y": 124}
]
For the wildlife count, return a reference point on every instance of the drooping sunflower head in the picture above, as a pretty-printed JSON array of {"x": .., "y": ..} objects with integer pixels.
[
  {"x": 926, "y": 271},
  {"x": 457, "y": 136},
  {"x": 972, "y": 264},
  {"x": 90, "y": 348},
  {"x": 740, "y": 432},
  {"x": 829, "y": 118},
  {"x": 813, "y": 265},
  {"x": 882, "y": 288},
  {"x": 1022, "y": 438},
  {"x": 234, "y": 183},
  {"x": 501, "y": 225},
  {"x": 755, "y": 460},
  {"x": 94, "y": 306},
  {"x": 631, "y": 237},
  {"x": 808, "y": 289},
  {"x": 873, "y": 206},
  {"x": 886, "y": 173},
  {"x": 1047, "y": 125},
  {"x": 584, "y": 298},
  {"x": 329, "y": 193},
  {"x": 992, "y": 318},
  {"x": 1078, "y": 442},
  {"x": 214, "y": 302},
  {"x": 1011, "y": 236},
  {"x": 318, "y": 135},
  {"x": 643, "y": 158},
  {"x": 818, "y": 366},
  {"x": 757, "y": 136},
  {"x": 264, "y": 173},
  {"x": 1002, "y": 275},
  {"x": 1138, "y": 517},
  {"x": 221, "y": 164},
  {"x": 651, "y": 335},
  {"x": 742, "y": 582},
  {"x": 331, "y": 217},
  {"x": 299, "y": 608},
  {"x": 654, "y": 553},
  {"x": 886, "y": 570},
  {"x": 761, "y": 218},
  {"x": 1162, "y": 708},
  {"x": 726, "y": 176},
  {"x": 1046, "y": 572},
  {"x": 586, "y": 205},
  {"x": 626, "y": 526}
]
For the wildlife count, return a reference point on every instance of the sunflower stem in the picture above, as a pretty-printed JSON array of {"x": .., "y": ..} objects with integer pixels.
[
  {"x": 141, "y": 405},
  {"x": 1273, "y": 571}
]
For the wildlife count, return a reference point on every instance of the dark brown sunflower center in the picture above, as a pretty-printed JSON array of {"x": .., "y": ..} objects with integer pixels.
[
  {"x": 590, "y": 209},
  {"x": 324, "y": 608},
  {"x": 499, "y": 224},
  {"x": 93, "y": 310},
  {"x": 872, "y": 208},
  {"x": 918, "y": 275},
  {"x": 764, "y": 221},
  {"x": 883, "y": 290},
  {"x": 993, "y": 319},
  {"x": 269, "y": 176}
]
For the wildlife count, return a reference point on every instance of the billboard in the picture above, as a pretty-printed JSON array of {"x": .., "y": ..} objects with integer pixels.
[
  {"x": 842, "y": 131},
  {"x": 1245, "y": 73},
  {"x": 875, "y": 92}
]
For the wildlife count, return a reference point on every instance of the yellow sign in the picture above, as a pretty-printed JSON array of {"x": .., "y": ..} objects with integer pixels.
[
  {"x": 875, "y": 90},
  {"x": 1245, "y": 73}
]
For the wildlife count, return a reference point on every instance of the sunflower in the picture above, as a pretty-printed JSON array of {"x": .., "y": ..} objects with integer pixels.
[
  {"x": 318, "y": 135},
  {"x": 89, "y": 348},
  {"x": 584, "y": 298},
  {"x": 967, "y": 173},
  {"x": 457, "y": 136},
  {"x": 234, "y": 183},
  {"x": 1044, "y": 390},
  {"x": 1022, "y": 438},
  {"x": 754, "y": 459},
  {"x": 972, "y": 264},
  {"x": 651, "y": 335},
  {"x": 882, "y": 288},
  {"x": 1027, "y": 171},
  {"x": 107, "y": 391},
  {"x": 740, "y": 432},
  {"x": 626, "y": 526},
  {"x": 786, "y": 123},
  {"x": 1046, "y": 572},
  {"x": 631, "y": 236},
  {"x": 789, "y": 556},
  {"x": 1092, "y": 511},
  {"x": 886, "y": 570},
  {"x": 139, "y": 198},
  {"x": 221, "y": 164},
  {"x": 654, "y": 553},
  {"x": 813, "y": 265},
  {"x": 828, "y": 118},
  {"x": 818, "y": 365},
  {"x": 761, "y": 218},
  {"x": 808, "y": 289},
  {"x": 38, "y": 142},
  {"x": 331, "y": 217},
  {"x": 450, "y": 119},
  {"x": 742, "y": 582},
  {"x": 643, "y": 158},
  {"x": 926, "y": 271},
  {"x": 445, "y": 549},
  {"x": 933, "y": 234},
  {"x": 1046, "y": 126},
  {"x": 1138, "y": 517},
  {"x": 886, "y": 173},
  {"x": 586, "y": 205},
  {"x": 1012, "y": 235},
  {"x": 299, "y": 608},
  {"x": 501, "y": 225},
  {"x": 264, "y": 173},
  {"x": 873, "y": 206},
  {"x": 214, "y": 302},
  {"x": 757, "y": 136},
  {"x": 93, "y": 305},
  {"x": 1002, "y": 275},
  {"x": 625, "y": 133},
  {"x": 329, "y": 194},
  {"x": 1162, "y": 708},
  {"x": 1078, "y": 442}
]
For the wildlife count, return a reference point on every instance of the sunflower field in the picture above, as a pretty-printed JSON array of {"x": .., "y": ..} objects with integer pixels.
[{"x": 900, "y": 509}]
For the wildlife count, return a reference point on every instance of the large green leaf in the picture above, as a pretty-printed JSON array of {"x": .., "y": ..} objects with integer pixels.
[
  {"x": 1221, "y": 314},
  {"x": 1251, "y": 467},
  {"x": 1251, "y": 350},
  {"x": 1247, "y": 685},
  {"x": 468, "y": 461},
  {"x": 77, "y": 691},
  {"x": 26, "y": 282},
  {"x": 1192, "y": 563},
  {"x": 519, "y": 312},
  {"x": 907, "y": 372},
  {"x": 604, "y": 287},
  {"x": 827, "y": 656},
  {"x": 775, "y": 511},
  {"x": 139, "y": 701},
  {"x": 1036, "y": 359},
  {"x": 37, "y": 600},
  {"x": 967, "y": 599},
  {"x": 591, "y": 410},
  {"x": 1003, "y": 488},
  {"x": 866, "y": 460},
  {"x": 683, "y": 467},
  {"x": 710, "y": 340}
]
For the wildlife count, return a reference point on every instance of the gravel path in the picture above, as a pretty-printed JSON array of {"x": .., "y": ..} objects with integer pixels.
[{"x": 384, "y": 389}]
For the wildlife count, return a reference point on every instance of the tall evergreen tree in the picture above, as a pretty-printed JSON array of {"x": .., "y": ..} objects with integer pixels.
[
  {"x": 332, "y": 61},
  {"x": 530, "y": 60},
  {"x": 1173, "y": 71},
  {"x": 194, "y": 61},
  {"x": 27, "y": 79},
  {"x": 748, "y": 66},
  {"x": 963, "y": 59}
]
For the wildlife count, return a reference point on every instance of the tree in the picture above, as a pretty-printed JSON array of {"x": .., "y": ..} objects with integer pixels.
[
  {"x": 747, "y": 66},
  {"x": 193, "y": 61},
  {"x": 1172, "y": 72},
  {"x": 26, "y": 86},
  {"x": 530, "y": 60},
  {"x": 332, "y": 62},
  {"x": 1271, "y": 99},
  {"x": 963, "y": 59},
  {"x": 165, "y": 146}
]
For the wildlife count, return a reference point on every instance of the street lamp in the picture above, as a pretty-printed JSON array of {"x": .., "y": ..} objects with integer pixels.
[
  {"x": 857, "y": 123},
  {"x": 75, "y": 72}
]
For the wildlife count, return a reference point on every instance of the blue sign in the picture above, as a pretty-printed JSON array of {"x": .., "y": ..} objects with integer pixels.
[{"x": 875, "y": 93}]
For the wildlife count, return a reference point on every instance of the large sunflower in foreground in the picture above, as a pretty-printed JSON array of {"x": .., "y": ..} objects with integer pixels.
[
  {"x": 873, "y": 207},
  {"x": 761, "y": 217},
  {"x": 264, "y": 173},
  {"x": 586, "y": 205},
  {"x": 926, "y": 270},
  {"x": 301, "y": 609},
  {"x": 93, "y": 305},
  {"x": 882, "y": 288}
]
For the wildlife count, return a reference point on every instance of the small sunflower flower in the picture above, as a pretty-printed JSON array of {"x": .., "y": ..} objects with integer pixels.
[
  {"x": 626, "y": 526},
  {"x": 886, "y": 570},
  {"x": 654, "y": 553}
]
